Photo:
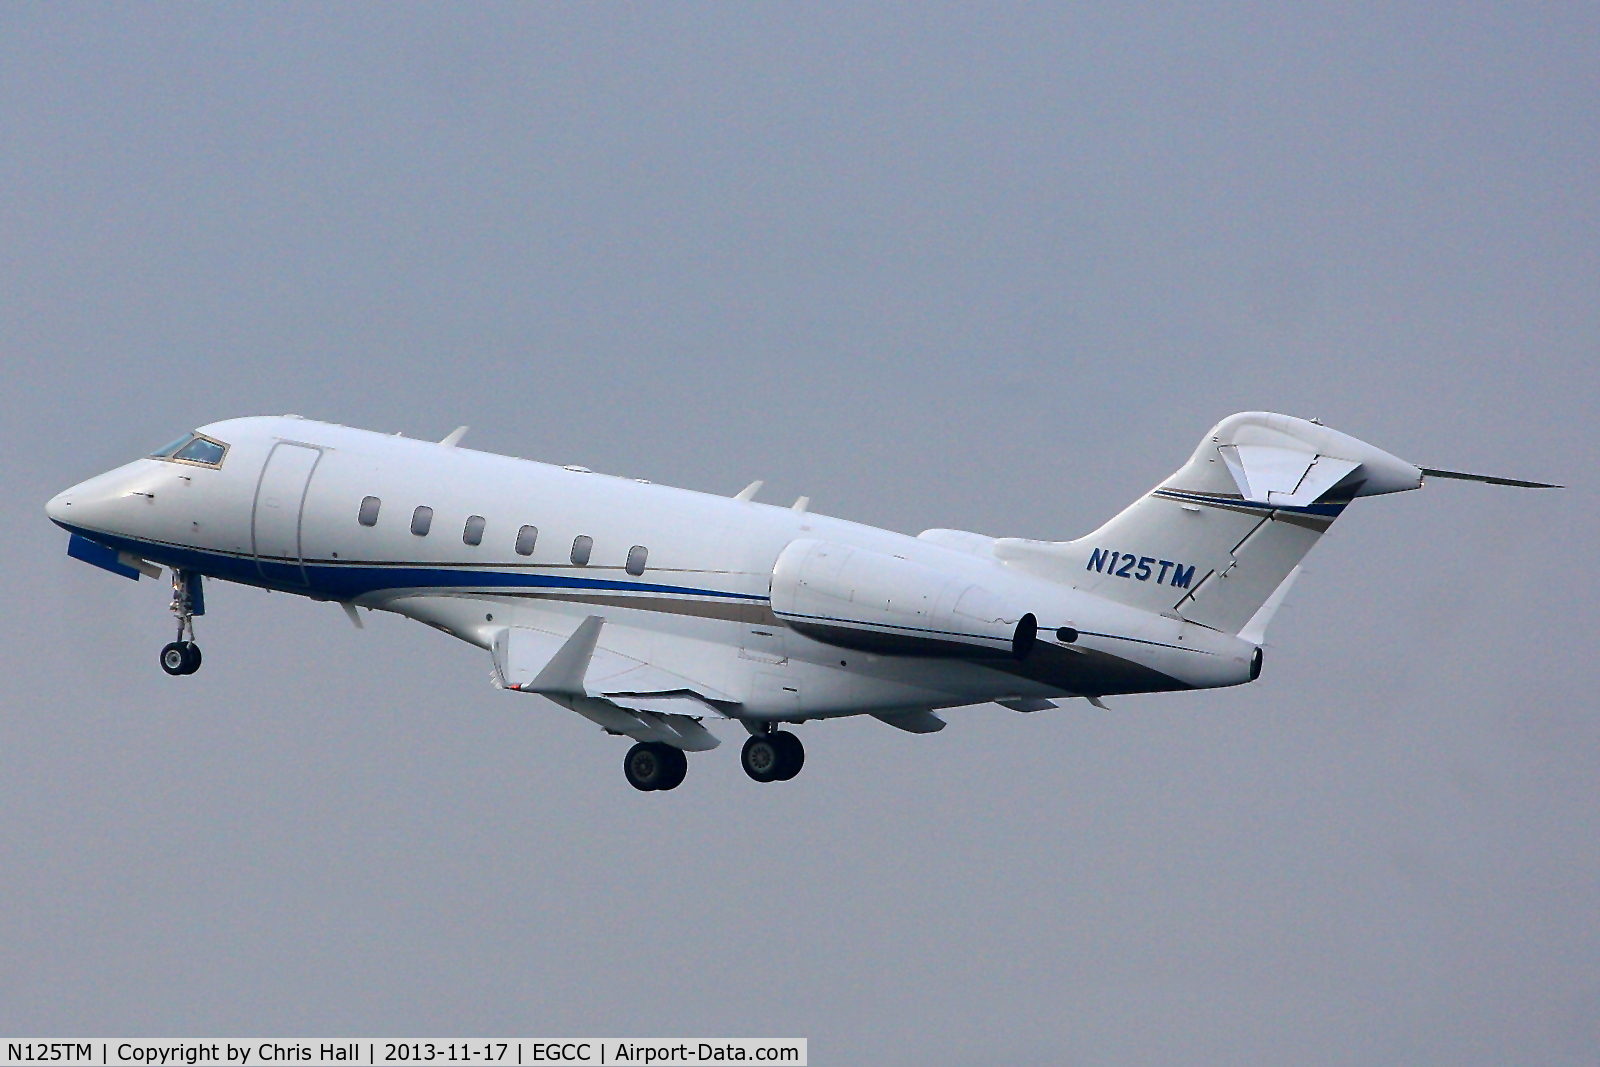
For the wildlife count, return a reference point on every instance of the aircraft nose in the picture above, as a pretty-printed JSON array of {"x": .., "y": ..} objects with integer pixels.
[
  {"x": 59, "y": 507},
  {"x": 100, "y": 502}
]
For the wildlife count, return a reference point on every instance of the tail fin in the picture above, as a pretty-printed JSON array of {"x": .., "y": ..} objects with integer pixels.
[{"x": 1214, "y": 541}]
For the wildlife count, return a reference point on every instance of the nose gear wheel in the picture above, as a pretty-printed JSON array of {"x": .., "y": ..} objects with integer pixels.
[
  {"x": 183, "y": 655},
  {"x": 180, "y": 657}
]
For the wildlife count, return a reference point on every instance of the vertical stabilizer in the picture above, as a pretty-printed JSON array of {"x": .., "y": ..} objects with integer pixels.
[{"x": 1213, "y": 542}]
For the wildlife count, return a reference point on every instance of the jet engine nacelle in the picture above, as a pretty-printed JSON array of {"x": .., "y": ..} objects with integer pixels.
[{"x": 857, "y": 598}]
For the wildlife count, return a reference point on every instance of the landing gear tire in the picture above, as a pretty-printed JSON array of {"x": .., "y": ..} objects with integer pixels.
[
  {"x": 678, "y": 767},
  {"x": 774, "y": 757},
  {"x": 761, "y": 757},
  {"x": 651, "y": 765},
  {"x": 794, "y": 755},
  {"x": 180, "y": 657}
]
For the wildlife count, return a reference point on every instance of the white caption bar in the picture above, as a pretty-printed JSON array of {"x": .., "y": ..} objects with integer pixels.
[{"x": 512, "y": 1052}]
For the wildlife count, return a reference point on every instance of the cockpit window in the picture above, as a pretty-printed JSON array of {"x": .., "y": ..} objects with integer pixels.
[
  {"x": 202, "y": 450},
  {"x": 167, "y": 451},
  {"x": 194, "y": 448}
]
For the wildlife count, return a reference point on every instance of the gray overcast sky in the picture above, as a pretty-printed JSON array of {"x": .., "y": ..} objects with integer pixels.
[{"x": 995, "y": 268}]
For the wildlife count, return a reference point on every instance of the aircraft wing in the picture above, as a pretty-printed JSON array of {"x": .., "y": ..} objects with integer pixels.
[{"x": 621, "y": 693}]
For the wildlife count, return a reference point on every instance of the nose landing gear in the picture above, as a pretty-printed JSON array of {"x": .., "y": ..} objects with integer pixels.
[{"x": 183, "y": 655}]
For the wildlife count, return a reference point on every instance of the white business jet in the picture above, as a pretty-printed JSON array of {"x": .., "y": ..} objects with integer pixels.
[{"x": 649, "y": 610}]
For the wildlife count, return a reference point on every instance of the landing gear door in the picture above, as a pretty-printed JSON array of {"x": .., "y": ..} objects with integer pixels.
[{"x": 275, "y": 519}]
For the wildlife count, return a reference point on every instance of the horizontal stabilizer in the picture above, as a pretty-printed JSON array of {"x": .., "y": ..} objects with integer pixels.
[
  {"x": 1284, "y": 477},
  {"x": 916, "y": 721},
  {"x": 1489, "y": 479}
]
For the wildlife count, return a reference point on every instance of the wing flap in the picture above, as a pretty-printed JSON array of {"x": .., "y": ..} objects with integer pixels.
[
  {"x": 679, "y": 731},
  {"x": 914, "y": 721},
  {"x": 1027, "y": 704},
  {"x": 664, "y": 703},
  {"x": 579, "y": 665}
]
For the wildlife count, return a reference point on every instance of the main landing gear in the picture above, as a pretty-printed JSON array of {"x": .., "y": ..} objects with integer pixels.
[
  {"x": 183, "y": 655},
  {"x": 775, "y": 756},
  {"x": 771, "y": 756},
  {"x": 651, "y": 765}
]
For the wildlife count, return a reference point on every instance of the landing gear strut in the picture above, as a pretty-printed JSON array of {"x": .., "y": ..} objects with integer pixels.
[
  {"x": 183, "y": 655},
  {"x": 651, "y": 765},
  {"x": 773, "y": 757}
]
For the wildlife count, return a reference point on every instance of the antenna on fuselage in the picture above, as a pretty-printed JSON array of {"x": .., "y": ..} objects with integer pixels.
[
  {"x": 802, "y": 504},
  {"x": 749, "y": 492},
  {"x": 454, "y": 437}
]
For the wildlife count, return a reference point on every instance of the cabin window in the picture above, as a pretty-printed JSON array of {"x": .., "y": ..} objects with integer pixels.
[
  {"x": 636, "y": 557},
  {"x": 473, "y": 533},
  {"x": 368, "y": 515},
  {"x": 422, "y": 521},
  {"x": 582, "y": 546},
  {"x": 193, "y": 448},
  {"x": 525, "y": 540}
]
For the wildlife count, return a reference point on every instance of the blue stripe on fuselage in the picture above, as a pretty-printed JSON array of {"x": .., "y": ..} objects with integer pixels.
[{"x": 346, "y": 581}]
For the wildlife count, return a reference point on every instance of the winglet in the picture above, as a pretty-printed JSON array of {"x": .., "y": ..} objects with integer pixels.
[
  {"x": 454, "y": 437},
  {"x": 749, "y": 492},
  {"x": 1428, "y": 472},
  {"x": 564, "y": 673}
]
